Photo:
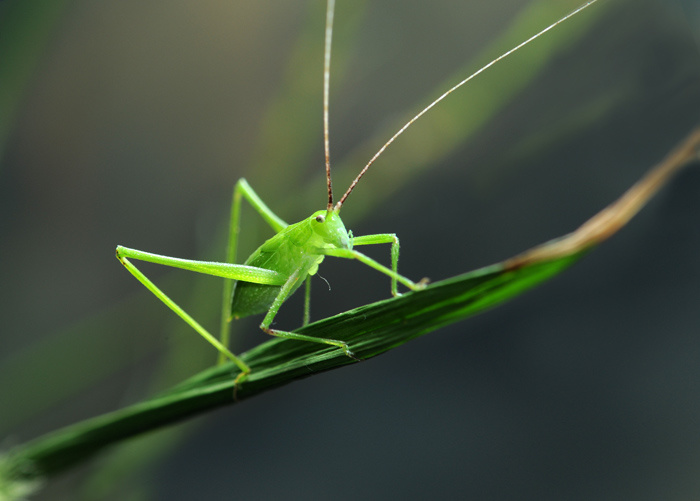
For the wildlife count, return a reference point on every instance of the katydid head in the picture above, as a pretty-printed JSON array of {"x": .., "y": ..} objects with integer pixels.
[{"x": 330, "y": 228}]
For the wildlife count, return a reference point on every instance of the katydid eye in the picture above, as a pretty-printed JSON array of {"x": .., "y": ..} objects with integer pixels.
[{"x": 320, "y": 219}]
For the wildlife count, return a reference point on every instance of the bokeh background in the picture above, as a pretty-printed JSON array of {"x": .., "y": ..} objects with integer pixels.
[{"x": 125, "y": 122}]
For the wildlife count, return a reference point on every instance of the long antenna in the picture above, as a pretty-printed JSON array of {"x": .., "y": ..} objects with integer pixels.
[
  {"x": 450, "y": 91},
  {"x": 326, "y": 92}
]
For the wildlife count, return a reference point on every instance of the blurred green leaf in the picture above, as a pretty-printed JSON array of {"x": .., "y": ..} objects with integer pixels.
[{"x": 25, "y": 29}]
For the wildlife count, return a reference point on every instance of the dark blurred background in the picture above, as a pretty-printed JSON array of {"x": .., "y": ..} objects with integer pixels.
[{"x": 128, "y": 123}]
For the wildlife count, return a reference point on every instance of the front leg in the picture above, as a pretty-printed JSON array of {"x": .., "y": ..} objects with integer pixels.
[
  {"x": 353, "y": 254},
  {"x": 384, "y": 238}
]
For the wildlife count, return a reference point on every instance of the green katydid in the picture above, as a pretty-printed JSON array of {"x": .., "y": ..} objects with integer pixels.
[{"x": 287, "y": 260}]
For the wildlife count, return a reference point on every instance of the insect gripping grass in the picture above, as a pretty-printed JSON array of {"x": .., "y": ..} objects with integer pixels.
[{"x": 287, "y": 260}]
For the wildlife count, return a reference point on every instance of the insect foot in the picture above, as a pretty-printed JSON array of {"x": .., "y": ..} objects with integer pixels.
[
  {"x": 415, "y": 286},
  {"x": 423, "y": 283},
  {"x": 236, "y": 384},
  {"x": 346, "y": 350}
]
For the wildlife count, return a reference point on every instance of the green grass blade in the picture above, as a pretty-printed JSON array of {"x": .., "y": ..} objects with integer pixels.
[{"x": 371, "y": 330}]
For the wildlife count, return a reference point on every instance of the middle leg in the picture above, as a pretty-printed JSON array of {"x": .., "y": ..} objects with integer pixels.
[{"x": 282, "y": 296}]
